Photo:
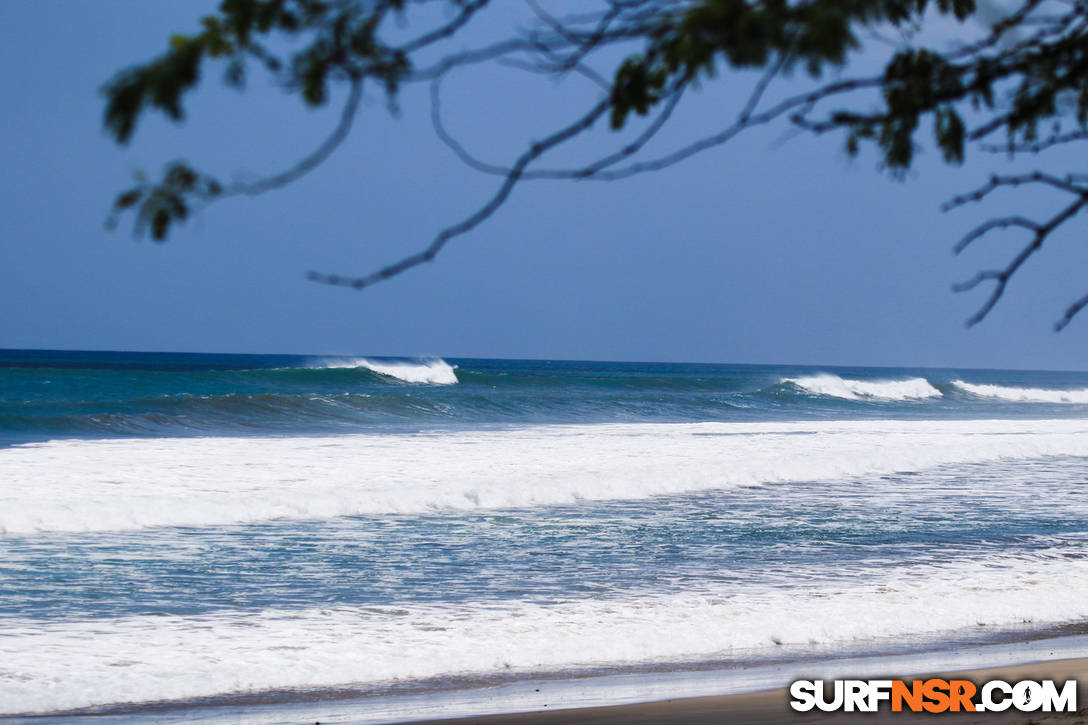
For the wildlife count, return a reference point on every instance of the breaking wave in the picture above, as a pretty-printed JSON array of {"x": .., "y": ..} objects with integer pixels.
[
  {"x": 836, "y": 387},
  {"x": 435, "y": 371},
  {"x": 1024, "y": 395}
]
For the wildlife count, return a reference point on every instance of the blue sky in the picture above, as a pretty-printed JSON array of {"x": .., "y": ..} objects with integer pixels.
[{"x": 766, "y": 250}]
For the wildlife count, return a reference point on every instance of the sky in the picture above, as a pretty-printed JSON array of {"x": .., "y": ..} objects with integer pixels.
[{"x": 776, "y": 248}]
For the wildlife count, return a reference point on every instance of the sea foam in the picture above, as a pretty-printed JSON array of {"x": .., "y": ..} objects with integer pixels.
[
  {"x": 50, "y": 666},
  {"x": 836, "y": 387},
  {"x": 101, "y": 485},
  {"x": 1024, "y": 395}
]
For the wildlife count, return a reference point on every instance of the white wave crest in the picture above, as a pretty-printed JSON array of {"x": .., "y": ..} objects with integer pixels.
[
  {"x": 1024, "y": 395},
  {"x": 79, "y": 663},
  {"x": 836, "y": 387},
  {"x": 102, "y": 485},
  {"x": 434, "y": 371}
]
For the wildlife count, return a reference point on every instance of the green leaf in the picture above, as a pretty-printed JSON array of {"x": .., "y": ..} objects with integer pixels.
[{"x": 128, "y": 199}]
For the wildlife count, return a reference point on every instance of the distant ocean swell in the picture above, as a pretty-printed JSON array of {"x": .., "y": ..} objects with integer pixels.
[
  {"x": 322, "y": 395},
  {"x": 126, "y": 484},
  {"x": 921, "y": 389}
]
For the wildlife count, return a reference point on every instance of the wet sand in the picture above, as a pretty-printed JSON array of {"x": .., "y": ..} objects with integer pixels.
[{"x": 772, "y": 706}]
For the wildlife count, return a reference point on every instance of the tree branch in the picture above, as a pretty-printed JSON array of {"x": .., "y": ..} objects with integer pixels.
[
  {"x": 1001, "y": 276},
  {"x": 1037, "y": 77},
  {"x": 446, "y": 31},
  {"x": 1037, "y": 146},
  {"x": 674, "y": 95},
  {"x": 996, "y": 182},
  {"x": 1070, "y": 313},
  {"x": 466, "y": 225},
  {"x": 315, "y": 159}
]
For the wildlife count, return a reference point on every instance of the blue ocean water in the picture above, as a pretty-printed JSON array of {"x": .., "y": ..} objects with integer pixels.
[
  {"x": 56, "y": 394},
  {"x": 179, "y": 528}
]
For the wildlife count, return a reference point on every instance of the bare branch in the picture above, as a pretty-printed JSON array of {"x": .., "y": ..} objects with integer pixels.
[
  {"x": 1070, "y": 313},
  {"x": 598, "y": 170},
  {"x": 991, "y": 225},
  {"x": 746, "y": 119},
  {"x": 999, "y": 289},
  {"x": 996, "y": 182},
  {"x": 762, "y": 84},
  {"x": 466, "y": 225},
  {"x": 471, "y": 57},
  {"x": 315, "y": 159},
  {"x": 550, "y": 70},
  {"x": 1013, "y": 20},
  {"x": 1001, "y": 276},
  {"x": 633, "y": 27},
  {"x": 1037, "y": 146},
  {"x": 582, "y": 45},
  {"x": 674, "y": 95},
  {"x": 756, "y": 119},
  {"x": 445, "y": 31}
]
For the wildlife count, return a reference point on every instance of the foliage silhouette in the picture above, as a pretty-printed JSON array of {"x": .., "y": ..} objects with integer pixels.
[{"x": 1019, "y": 88}]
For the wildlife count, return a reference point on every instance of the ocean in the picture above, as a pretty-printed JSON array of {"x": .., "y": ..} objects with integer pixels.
[{"x": 184, "y": 533}]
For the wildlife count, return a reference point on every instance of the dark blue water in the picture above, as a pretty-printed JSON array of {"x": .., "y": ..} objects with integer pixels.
[{"x": 55, "y": 394}]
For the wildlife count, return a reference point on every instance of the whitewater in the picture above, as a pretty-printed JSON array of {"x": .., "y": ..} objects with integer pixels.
[
  {"x": 185, "y": 529},
  {"x": 433, "y": 371},
  {"x": 105, "y": 485}
]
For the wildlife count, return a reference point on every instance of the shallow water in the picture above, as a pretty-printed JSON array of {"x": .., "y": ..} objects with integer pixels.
[{"x": 178, "y": 529}]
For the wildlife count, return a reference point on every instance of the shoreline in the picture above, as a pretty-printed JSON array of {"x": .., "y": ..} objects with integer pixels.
[
  {"x": 759, "y": 694},
  {"x": 741, "y": 691},
  {"x": 772, "y": 706}
]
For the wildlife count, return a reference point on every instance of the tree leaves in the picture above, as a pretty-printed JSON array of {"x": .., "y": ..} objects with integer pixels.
[
  {"x": 341, "y": 40},
  {"x": 159, "y": 84},
  {"x": 168, "y": 202},
  {"x": 1028, "y": 71},
  {"x": 743, "y": 34}
]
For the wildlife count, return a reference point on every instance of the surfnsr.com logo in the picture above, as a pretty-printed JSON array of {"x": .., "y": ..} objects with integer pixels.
[{"x": 933, "y": 695}]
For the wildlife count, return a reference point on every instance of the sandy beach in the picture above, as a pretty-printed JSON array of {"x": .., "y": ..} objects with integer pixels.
[{"x": 772, "y": 706}]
